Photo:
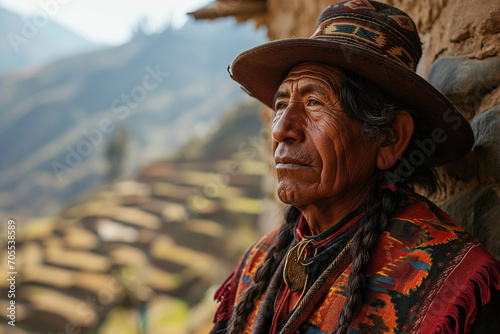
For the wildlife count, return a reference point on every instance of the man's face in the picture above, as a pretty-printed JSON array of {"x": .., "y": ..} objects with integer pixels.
[{"x": 320, "y": 153}]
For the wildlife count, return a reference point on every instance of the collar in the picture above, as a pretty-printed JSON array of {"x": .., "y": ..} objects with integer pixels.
[{"x": 303, "y": 232}]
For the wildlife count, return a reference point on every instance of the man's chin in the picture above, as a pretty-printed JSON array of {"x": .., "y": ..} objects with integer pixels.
[{"x": 289, "y": 195}]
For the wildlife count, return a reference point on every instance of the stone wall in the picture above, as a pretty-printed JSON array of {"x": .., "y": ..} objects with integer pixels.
[{"x": 461, "y": 58}]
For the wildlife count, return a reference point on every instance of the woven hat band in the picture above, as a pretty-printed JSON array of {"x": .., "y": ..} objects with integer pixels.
[{"x": 363, "y": 26}]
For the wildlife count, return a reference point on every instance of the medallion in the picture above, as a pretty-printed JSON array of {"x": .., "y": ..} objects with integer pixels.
[{"x": 294, "y": 273}]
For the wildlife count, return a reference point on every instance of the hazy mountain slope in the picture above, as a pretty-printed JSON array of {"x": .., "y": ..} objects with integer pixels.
[
  {"x": 28, "y": 41},
  {"x": 161, "y": 88},
  {"x": 239, "y": 133}
]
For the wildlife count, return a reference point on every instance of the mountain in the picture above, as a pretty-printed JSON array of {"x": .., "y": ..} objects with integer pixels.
[
  {"x": 35, "y": 40},
  {"x": 57, "y": 121}
]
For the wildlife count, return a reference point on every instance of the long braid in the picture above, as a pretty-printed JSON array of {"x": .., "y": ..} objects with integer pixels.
[
  {"x": 381, "y": 206},
  {"x": 265, "y": 271}
]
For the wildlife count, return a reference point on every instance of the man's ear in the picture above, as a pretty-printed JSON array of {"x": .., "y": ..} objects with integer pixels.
[{"x": 395, "y": 144}]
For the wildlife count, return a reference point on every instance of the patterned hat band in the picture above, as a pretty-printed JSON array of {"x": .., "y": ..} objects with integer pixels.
[{"x": 359, "y": 24}]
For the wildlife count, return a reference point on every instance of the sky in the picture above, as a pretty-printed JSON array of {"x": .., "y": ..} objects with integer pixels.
[{"x": 108, "y": 21}]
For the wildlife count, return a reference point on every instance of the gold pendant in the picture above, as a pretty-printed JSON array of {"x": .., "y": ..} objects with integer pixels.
[{"x": 294, "y": 273}]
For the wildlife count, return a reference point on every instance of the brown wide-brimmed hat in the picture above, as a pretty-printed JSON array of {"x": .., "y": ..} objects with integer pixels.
[{"x": 380, "y": 43}]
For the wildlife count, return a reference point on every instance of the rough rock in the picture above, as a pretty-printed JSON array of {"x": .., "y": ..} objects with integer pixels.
[
  {"x": 486, "y": 129},
  {"x": 489, "y": 101},
  {"x": 423, "y": 12},
  {"x": 478, "y": 212},
  {"x": 465, "y": 81},
  {"x": 464, "y": 27}
]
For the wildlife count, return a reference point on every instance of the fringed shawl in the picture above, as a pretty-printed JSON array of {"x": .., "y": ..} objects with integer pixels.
[{"x": 426, "y": 275}]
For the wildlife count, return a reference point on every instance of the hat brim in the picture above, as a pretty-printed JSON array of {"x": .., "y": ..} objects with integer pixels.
[{"x": 261, "y": 70}]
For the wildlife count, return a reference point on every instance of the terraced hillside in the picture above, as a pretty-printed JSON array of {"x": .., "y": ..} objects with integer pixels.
[{"x": 143, "y": 255}]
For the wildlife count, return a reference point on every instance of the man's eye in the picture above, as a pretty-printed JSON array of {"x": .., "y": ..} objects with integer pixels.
[
  {"x": 313, "y": 102},
  {"x": 280, "y": 105}
]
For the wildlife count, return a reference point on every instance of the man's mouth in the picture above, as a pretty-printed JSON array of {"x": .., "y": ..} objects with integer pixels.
[{"x": 288, "y": 162}]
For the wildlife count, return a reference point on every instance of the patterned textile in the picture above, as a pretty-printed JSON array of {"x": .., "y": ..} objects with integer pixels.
[
  {"x": 374, "y": 26},
  {"x": 425, "y": 270}
]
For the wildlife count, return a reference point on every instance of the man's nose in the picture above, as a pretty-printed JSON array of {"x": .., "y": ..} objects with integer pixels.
[{"x": 290, "y": 124}]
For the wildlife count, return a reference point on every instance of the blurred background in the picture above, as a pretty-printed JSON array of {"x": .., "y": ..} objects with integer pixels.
[
  {"x": 137, "y": 172},
  {"x": 130, "y": 162}
]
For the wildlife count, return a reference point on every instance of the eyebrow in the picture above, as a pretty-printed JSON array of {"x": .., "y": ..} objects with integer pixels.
[
  {"x": 279, "y": 94},
  {"x": 304, "y": 90}
]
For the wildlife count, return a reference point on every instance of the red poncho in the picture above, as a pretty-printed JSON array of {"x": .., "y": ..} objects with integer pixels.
[{"x": 426, "y": 275}]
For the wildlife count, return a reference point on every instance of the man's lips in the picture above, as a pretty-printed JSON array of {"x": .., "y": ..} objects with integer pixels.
[
  {"x": 289, "y": 162},
  {"x": 289, "y": 157}
]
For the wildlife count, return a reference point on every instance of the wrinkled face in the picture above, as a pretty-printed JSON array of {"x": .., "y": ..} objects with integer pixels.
[{"x": 320, "y": 153}]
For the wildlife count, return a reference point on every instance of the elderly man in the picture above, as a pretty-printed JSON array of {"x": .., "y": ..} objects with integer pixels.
[{"x": 359, "y": 251}]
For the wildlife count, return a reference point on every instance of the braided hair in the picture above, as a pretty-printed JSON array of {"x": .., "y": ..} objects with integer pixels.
[
  {"x": 380, "y": 207},
  {"x": 263, "y": 274},
  {"x": 375, "y": 109}
]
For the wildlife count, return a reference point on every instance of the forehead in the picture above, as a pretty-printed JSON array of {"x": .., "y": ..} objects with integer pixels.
[{"x": 321, "y": 73}]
